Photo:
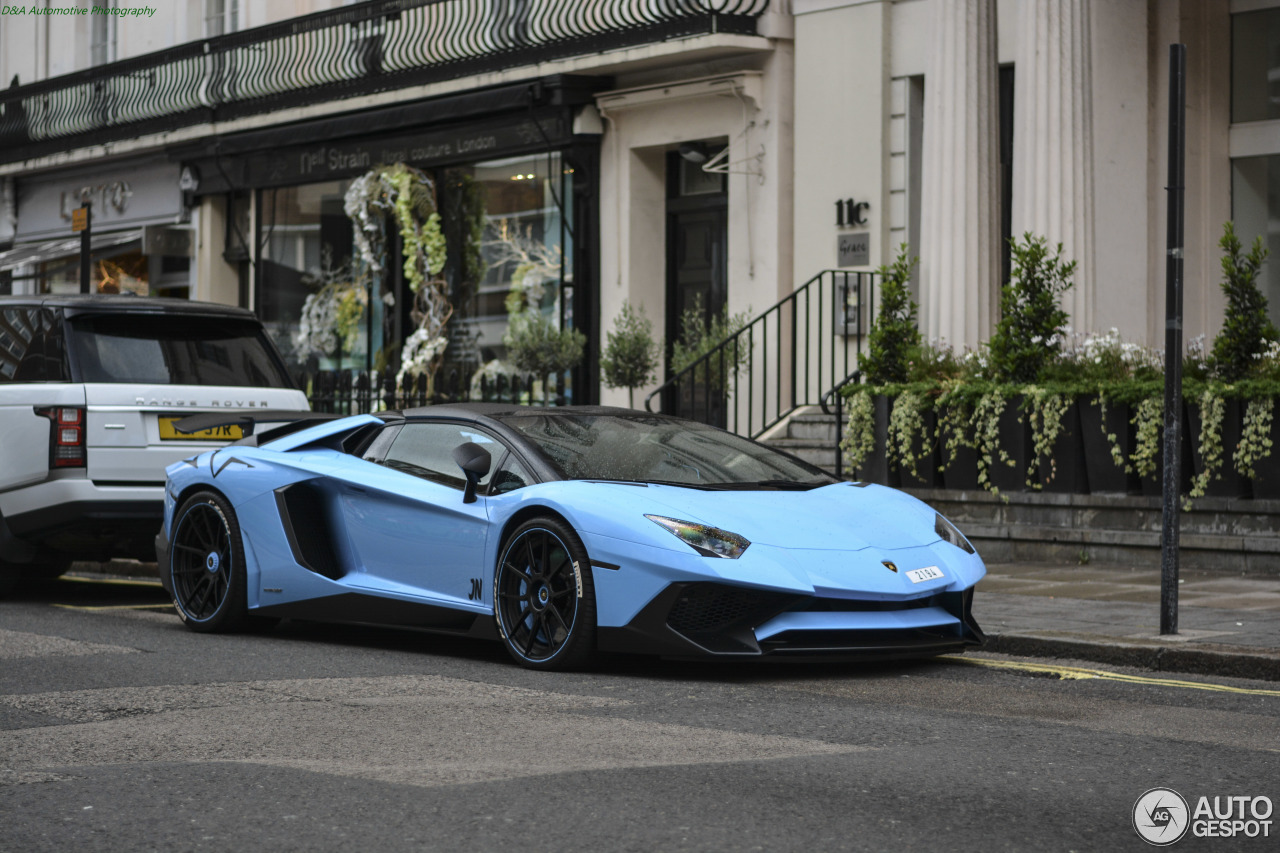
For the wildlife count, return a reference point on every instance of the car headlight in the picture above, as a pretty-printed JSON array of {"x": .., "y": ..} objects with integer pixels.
[
  {"x": 948, "y": 533},
  {"x": 707, "y": 541}
]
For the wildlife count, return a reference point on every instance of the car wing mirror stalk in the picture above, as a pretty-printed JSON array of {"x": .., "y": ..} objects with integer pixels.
[{"x": 475, "y": 462}]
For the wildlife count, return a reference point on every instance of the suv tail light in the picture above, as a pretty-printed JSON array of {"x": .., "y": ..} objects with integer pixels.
[{"x": 66, "y": 440}]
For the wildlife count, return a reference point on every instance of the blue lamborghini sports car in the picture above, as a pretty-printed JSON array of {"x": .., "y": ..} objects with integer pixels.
[{"x": 562, "y": 532}]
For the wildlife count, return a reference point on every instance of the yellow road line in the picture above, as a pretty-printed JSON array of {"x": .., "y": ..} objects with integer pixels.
[
  {"x": 115, "y": 607},
  {"x": 1074, "y": 673},
  {"x": 111, "y": 581}
]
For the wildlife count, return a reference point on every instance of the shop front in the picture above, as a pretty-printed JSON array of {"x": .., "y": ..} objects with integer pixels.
[
  {"x": 141, "y": 235},
  {"x": 511, "y": 176}
]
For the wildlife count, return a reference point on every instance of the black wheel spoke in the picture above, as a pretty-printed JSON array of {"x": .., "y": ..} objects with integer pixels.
[
  {"x": 210, "y": 537},
  {"x": 560, "y": 619},
  {"x": 533, "y": 560},
  {"x": 556, "y": 596},
  {"x": 533, "y": 635},
  {"x": 560, "y": 566},
  {"x": 520, "y": 572},
  {"x": 199, "y": 588}
]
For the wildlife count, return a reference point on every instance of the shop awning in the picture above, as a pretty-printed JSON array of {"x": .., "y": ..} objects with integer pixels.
[{"x": 101, "y": 245}]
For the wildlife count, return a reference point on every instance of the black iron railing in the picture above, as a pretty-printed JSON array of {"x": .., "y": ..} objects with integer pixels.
[
  {"x": 359, "y": 392},
  {"x": 791, "y": 356},
  {"x": 355, "y": 50}
]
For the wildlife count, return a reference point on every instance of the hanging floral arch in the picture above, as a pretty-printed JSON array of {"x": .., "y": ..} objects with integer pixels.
[{"x": 407, "y": 195}]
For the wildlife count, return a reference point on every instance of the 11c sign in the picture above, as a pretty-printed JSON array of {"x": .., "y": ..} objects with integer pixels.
[{"x": 851, "y": 213}]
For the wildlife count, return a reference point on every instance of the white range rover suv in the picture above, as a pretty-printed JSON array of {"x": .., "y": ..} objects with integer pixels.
[{"x": 90, "y": 387}]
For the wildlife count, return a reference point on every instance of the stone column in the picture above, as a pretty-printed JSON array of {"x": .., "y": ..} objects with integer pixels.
[
  {"x": 960, "y": 199},
  {"x": 1053, "y": 139}
]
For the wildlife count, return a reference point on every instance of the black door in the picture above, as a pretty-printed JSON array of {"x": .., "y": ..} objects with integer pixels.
[{"x": 697, "y": 252}]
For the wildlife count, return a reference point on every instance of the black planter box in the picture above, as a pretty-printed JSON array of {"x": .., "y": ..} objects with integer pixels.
[
  {"x": 1014, "y": 440},
  {"x": 1063, "y": 470},
  {"x": 1266, "y": 471},
  {"x": 875, "y": 468},
  {"x": 1152, "y": 485},
  {"x": 1104, "y": 474}
]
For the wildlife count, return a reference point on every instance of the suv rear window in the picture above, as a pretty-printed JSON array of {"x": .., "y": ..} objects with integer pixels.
[{"x": 163, "y": 349}]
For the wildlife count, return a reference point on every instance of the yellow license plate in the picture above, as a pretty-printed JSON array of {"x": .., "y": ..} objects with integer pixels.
[{"x": 230, "y": 432}]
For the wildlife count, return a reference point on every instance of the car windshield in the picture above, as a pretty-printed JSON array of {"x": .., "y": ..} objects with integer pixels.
[
  {"x": 655, "y": 449},
  {"x": 163, "y": 349}
]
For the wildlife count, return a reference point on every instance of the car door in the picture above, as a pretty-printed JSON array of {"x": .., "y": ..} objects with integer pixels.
[{"x": 411, "y": 532}]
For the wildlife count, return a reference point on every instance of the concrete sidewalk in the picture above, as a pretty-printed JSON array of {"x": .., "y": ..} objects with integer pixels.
[{"x": 1227, "y": 624}]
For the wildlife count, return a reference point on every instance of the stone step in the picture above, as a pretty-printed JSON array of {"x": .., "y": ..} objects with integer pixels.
[
  {"x": 818, "y": 427},
  {"x": 813, "y": 451}
]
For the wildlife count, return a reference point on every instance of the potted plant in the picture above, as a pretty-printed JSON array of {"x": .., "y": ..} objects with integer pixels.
[
  {"x": 1026, "y": 342},
  {"x": 630, "y": 356},
  {"x": 902, "y": 420},
  {"x": 1218, "y": 413},
  {"x": 709, "y": 385}
]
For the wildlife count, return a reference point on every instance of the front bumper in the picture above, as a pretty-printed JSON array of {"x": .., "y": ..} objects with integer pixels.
[{"x": 704, "y": 619}]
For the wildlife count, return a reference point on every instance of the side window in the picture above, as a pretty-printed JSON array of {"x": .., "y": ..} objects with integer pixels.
[
  {"x": 426, "y": 451},
  {"x": 511, "y": 476}
]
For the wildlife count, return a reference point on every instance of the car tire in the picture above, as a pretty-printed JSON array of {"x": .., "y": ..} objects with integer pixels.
[
  {"x": 544, "y": 598},
  {"x": 206, "y": 565}
]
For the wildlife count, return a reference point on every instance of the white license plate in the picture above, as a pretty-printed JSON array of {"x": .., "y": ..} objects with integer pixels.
[{"x": 928, "y": 573}]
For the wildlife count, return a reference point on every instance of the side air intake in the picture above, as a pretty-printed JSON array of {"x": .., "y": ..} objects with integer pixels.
[{"x": 306, "y": 523}]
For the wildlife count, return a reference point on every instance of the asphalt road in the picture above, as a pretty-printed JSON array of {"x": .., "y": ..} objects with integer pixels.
[{"x": 121, "y": 730}]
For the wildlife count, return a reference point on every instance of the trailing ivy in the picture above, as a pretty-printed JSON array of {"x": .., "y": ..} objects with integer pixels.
[
  {"x": 1255, "y": 439},
  {"x": 986, "y": 438},
  {"x": 1148, "y": 418},
  {"x": 1212, "y": 411},
  {"x": 1044, "y": 410},
  {"x": 906, "y": 427},
  {"x": 859, "y": 440}
]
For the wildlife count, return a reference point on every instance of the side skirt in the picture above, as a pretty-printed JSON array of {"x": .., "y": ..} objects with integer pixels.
[{"x": 357, "y": 608}]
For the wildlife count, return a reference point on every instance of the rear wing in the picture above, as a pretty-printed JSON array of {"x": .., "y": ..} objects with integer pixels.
[{"x": 280, "y": 422}]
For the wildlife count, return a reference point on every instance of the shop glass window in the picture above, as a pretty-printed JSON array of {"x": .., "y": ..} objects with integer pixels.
[
  {"x": 527, "y": 243},
  {"x": 1255, "y": 66},
  {"x": 306, "y": 244},
  {"x": 128, "y": 271},
  {"x": 1255, "y": 209}
]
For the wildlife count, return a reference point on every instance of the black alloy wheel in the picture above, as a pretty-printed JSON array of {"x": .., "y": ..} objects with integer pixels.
[
  {"x": 544, "y": 599},
  {"x": 206, "y": 565}
]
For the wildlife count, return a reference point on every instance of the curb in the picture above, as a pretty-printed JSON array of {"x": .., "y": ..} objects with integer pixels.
[{"x": 1227, "y": 661}]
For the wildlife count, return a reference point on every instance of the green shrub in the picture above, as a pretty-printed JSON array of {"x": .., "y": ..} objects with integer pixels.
[
  {"x": 1246, "y": 328},
  {"x": 894, "y": 335},
  {"x": 1032, "y": 324},
  {"x": 698, "y": 338},
  {"x": 630, "y": 357}
]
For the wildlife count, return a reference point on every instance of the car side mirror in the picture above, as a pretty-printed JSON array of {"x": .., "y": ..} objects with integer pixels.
[{"x": 475, "y": 462}]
